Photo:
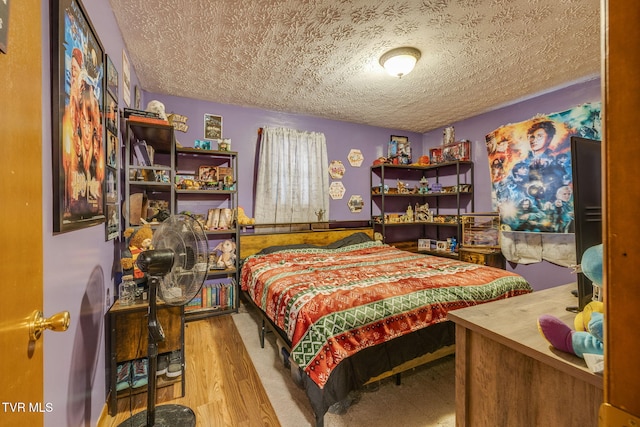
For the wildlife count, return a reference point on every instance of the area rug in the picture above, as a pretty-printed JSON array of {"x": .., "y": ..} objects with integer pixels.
[{"x": 425, "y": 398}]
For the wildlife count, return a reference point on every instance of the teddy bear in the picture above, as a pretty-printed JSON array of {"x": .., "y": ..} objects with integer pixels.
[
  {"x": 139, "y": 240},
  {"x": 587, "y": 337},
  {"x": 227, "y": 258}
]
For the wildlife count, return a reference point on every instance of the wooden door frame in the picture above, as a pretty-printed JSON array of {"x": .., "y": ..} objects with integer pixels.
[{"x": 621, "y": 154}]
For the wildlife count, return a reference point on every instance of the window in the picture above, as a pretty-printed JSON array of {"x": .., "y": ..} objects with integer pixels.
[{"x": 293, "y": 180}]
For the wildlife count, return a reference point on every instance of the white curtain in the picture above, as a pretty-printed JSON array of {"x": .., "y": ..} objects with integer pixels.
[{"x": 293, "y": 177}]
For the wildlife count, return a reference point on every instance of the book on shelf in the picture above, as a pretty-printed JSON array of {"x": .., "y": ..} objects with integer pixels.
[
  {"x": 133, "y": 112},
  {"x": 151, "y": 120},
  {"x": 142, "y": 116},
  {"x": 141, "y": 151}
]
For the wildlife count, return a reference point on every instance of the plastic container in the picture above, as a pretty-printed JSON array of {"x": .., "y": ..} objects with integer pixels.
[{"x": 127, "y": 290}]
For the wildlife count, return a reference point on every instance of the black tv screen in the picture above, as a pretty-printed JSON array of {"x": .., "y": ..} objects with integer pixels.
[{"x": 586, "y": 165}]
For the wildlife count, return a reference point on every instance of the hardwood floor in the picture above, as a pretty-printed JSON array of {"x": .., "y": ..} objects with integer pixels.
[{"x": 222, "y": 386}]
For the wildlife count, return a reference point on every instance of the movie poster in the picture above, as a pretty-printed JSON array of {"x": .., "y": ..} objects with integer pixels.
[
  {"x": 530, "y": 167},
  {"x": 83, "y": 159}
]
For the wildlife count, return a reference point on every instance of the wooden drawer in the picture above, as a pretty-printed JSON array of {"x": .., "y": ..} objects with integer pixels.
[{"x": 483, "y": 257}]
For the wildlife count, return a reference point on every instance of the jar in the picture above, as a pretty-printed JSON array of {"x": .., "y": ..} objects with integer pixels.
[{"x": 127, "y": 291}]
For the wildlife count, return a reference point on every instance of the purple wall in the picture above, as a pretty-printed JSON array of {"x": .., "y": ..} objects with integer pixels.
[
  {"x": 541, "y": 275},
  {"x": 241, "y": 125},
  {"x": 78, "y": 269}
]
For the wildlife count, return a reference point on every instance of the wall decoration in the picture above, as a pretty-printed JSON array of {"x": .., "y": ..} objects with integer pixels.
[
  {"x": 355, "y": 158},
  {"x": 126, "y": 79},
  {"x": 336, "y": 190},
  {"x": 112, "y": 78},
  {"x": 530, "y": 168},
  {"x": 111, "y": 115},
  {"x": 112, "y": 149},
  {"x": 178, "y": 122},
  {"x": 111, "y": 186},
  {"x": 336, "y": 169},
  {"x": 356, "y": 203},
  {"x": 78, "y": 71},
  {"x": 113, "y": 221},
  {"x": 212, "y": 126}
]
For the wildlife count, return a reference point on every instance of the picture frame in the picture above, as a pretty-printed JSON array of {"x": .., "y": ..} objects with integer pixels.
[
  {"x": 208, "y": 173},
  {"x": 112, "y": 149},
  {"x": 111, "y": 185},
  {"x": 112, "y": 78},
  {"x": 112, "y": 228},
  {"x": 424, "y": 244},
  {"x": 399, "y": 149},
  {"x": 126, "y": 79},
  {"x": 111, "y": 115},
  {"x": 77, "y": 91},
  {"x": 212, "y": 126}
]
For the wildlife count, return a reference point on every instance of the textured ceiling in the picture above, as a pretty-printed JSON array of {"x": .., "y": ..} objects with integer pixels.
[{"x": 320, "y": 57}]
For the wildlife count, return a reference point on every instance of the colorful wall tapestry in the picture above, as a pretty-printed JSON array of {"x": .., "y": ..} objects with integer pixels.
[{"x": 530, "y": 167}]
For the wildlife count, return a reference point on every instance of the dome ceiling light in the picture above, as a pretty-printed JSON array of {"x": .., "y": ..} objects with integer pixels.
[{"x": 400, "y": 61}]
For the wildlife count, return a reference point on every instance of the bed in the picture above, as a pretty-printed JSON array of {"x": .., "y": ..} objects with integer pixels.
[{"x": 352, "y": 310}]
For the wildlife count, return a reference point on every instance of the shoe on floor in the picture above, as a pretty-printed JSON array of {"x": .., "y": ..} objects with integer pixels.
[
  {"x": 175, "y": 365},
  {"x": 140, "y": 373},
  {"x": 163, "y": 364},
  {"x": 123, "y": 376}
]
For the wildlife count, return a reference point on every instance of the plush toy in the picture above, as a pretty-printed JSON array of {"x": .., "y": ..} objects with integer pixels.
[
  {"x": 139, "y": 241},
  {"x": 243, "y": 219},
  {"x": 587, "y": 337},
  {"x": 227, "y": 258},
  {"x": 156, "y": 106}
]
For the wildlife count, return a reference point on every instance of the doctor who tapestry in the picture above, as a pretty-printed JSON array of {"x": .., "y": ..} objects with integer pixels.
[{"x": 530, "y": 167}]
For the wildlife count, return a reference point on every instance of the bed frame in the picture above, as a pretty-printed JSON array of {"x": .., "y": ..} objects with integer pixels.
[{"x": 251, "y": 244}]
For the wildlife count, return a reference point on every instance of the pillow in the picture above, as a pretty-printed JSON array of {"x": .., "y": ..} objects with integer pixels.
[
  {"x": 349, "y": 240},
  {"x": 272, "y": 249}
]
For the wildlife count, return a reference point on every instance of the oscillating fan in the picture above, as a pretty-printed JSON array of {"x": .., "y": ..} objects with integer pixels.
[{"x": 176, "y": 268}]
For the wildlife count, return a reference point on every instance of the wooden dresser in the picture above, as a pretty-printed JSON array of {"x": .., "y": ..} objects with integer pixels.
[{"x": 508, "y": 375}]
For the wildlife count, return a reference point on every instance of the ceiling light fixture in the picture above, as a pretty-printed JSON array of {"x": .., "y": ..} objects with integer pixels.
[{"x": 400, "y": 61}]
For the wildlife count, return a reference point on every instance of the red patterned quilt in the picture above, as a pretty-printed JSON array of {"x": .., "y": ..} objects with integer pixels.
[{"x": 334, "y": 302}]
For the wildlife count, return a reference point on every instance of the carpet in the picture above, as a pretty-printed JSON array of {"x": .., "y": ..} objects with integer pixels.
[{"x": 425, "y": 398}]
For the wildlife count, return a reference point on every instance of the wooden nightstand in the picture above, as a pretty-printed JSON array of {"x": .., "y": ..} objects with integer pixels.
[
  {"x": 127, "y": 340},
  {"x": 489, "y": 257}
]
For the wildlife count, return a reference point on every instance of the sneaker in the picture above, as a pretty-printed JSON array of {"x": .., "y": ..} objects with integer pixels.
[
  {"x": 140, "y": 373},
  {"x": 163, "y": 364},
  {"x": 175, "y": 365},
  {"x": 123, "y": 376}
]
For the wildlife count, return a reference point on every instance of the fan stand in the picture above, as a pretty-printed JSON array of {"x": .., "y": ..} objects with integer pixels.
[{"x": 169, "y": 415}]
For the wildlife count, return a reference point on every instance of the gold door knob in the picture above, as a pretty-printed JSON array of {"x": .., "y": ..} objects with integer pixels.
[{"x": 59, "y": 322}]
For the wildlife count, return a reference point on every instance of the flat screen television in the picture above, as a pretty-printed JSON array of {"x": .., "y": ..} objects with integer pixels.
[{"x": 586, "y": 166}]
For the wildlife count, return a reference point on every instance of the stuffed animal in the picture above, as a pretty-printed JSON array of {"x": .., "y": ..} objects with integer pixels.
[
  {"x": 227, "y": 258},
  {"x": 243, "y": 219},
  {"x": 156, "y": 106},
  {"x": 587, "y": 337},
  {"x": 139, "y": 241}
]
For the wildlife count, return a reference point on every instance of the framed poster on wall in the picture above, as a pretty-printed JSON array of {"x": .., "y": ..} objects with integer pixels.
[{"x": 77, "y": 88}]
